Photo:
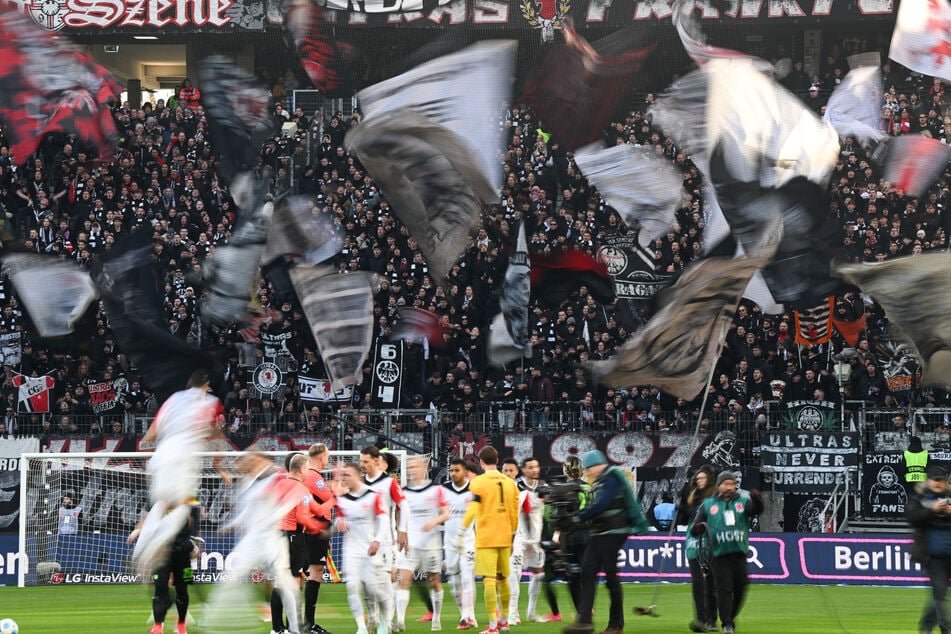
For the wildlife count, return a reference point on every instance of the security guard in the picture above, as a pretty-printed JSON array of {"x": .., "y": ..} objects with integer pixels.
[
  {"x": 916, "y": 464},
  {"x": 726, "y": 518}
]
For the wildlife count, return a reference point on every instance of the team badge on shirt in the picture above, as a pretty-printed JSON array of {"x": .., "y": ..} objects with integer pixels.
[
  {"x": 739, "y": 507},
  {"x": 714, "y": 510}
]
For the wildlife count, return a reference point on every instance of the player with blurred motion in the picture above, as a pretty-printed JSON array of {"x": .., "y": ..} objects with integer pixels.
[
  {"x": 363, "y": 520},
  {"x": 299, "y": 522},
  {"x": 393, "y": 501},
  {"x": 526, "y": 549},
  {"x": 428, "y": 511},
  {"x": 318, "y": 545},
  {"x": 494, "y": 509},
  {"x": 460, "y": 567},
  {"x": 264, "y": 497},
  {"x": 184, "y": 423}
]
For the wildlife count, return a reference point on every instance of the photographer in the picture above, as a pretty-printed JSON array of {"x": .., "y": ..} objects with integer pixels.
[
  {"x": 613, "y": 513},
  {"x": 566, "y": 549},
  {"x": 725, "y": 518},
  {"x": 929, "y": 513}
]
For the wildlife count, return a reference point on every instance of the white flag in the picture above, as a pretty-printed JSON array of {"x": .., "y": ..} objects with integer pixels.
[
  {"x": 853, "y": 108},
  {"x": 922, "y": 37},
  {"x": 643, "y": 188},
  {"x": 463, "y": 92},
  {"x": 56, "y": 293}
]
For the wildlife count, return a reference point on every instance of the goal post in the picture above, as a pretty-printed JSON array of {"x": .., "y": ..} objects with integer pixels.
[{"x": 83, "y": 540}]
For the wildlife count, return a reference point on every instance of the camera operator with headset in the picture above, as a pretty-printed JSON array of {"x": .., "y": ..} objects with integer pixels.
[{"x": 565, "y": 550}]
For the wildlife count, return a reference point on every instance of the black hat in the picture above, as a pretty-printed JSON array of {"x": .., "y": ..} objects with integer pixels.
[{"x": 937, "y": 472}]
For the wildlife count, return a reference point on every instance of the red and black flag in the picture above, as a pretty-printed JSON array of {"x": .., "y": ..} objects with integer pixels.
[
  {"x": 555, "y": 278},
  {"x": 47, "y": 85},
  {"x": 329, "y": 61},
  {"x": 578, "y": 86},
  {"x": 814, "y": 325}
]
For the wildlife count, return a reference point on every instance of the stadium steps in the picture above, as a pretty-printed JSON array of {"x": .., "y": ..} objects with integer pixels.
[{"x": 890, "y": 525}]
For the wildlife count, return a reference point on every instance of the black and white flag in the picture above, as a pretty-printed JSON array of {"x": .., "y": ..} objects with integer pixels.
[
  {"x": 509, "y": 336},
  {"x": 462, "y": 92},
  {"x": 339, "y": 309},
  {"x": 432, "y": 177},
  {"x": 680, "y": 343}
]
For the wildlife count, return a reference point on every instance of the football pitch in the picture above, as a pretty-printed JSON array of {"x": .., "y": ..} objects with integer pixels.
[{"x": 769, "y": 609}]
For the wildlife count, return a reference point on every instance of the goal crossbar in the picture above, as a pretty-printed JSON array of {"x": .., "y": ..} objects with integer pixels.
[{"x": 113, "y": 490}]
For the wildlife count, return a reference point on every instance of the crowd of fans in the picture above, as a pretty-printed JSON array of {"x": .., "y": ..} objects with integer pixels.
[{"x": 60, "y": 202}]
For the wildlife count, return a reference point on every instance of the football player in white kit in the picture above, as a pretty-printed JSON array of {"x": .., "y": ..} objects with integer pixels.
[
  {"x": 460, "y": 567},
  {"x": 527, "y": 551},
  {"x": 265, "y": 496},
  {"x": 362, "y": 519},
  {"x": 184, "y": 423},
  {"x": 393, "y": 501},
  {"x": 428, "y": 511}
]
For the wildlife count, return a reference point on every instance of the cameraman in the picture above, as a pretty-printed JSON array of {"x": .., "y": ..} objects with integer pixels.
[
  {"x": 613, "y": 513},
  {"x": 568, "y": 539}
]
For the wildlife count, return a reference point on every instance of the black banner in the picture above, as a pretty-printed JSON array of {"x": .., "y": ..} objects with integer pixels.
[
  {"x": 796, "y": 462},
  {"x": 883, "y": 492},
  {"x": 130, "y": 16},
  {"x": 632, "y": 268},
  {"x": 387, "y": 375}
]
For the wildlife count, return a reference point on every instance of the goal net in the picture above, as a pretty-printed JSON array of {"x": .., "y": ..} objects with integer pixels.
[{"x": 79, "y": 508}]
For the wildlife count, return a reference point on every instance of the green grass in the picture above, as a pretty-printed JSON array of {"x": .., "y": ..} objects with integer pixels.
[{"x": 769, "y": 609}]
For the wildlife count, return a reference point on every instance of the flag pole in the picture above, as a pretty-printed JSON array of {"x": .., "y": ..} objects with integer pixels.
[{"x": 649, "y": 609}]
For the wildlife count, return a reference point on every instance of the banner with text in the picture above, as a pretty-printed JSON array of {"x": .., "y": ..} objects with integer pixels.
[
  {"x": 798, "y": 462},
  {"x": 134, "y": 16}
]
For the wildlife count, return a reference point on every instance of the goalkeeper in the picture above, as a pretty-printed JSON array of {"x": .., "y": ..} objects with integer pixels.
[{"x": 494, "y": 508}]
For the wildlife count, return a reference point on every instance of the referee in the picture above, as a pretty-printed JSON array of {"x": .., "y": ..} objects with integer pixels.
[
  {"x": 318, "y": 545},
  {"x": 298, "y": 521}
]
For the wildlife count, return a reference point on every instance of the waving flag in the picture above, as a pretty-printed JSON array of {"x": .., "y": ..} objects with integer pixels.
[
  {"x": 642, "y": 187},
  {"x": 554, "y": 278},
  {"x": 916, "y": 295},
  {"x": 127, "y": 287},
  {"x": 914, "y": 162},
  {"x": 328, "y": 60},
  {"x": 508, "y": 336},
  {"x": 237, "y": 110},
  {"x": 462, "y": 92},
  {"x": 677, "y": 347},
  {"x": 297, "y": 231},
  {"x": 47, "y": 85},
  {"x": 695, "y": 42},
  {"x": 922, "y": 37},
  {"x": 339, "y": 309},
  {"x": 56, "y": 294},
  {"x": 230, "y": 273},
  {"x": 416, "y": 324},
  {"x": 853, "y": 108},
  {"x": 578, "y": 86},
  {"x": 763, "y": 153},
  {"x": 432, "y": 177}
]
